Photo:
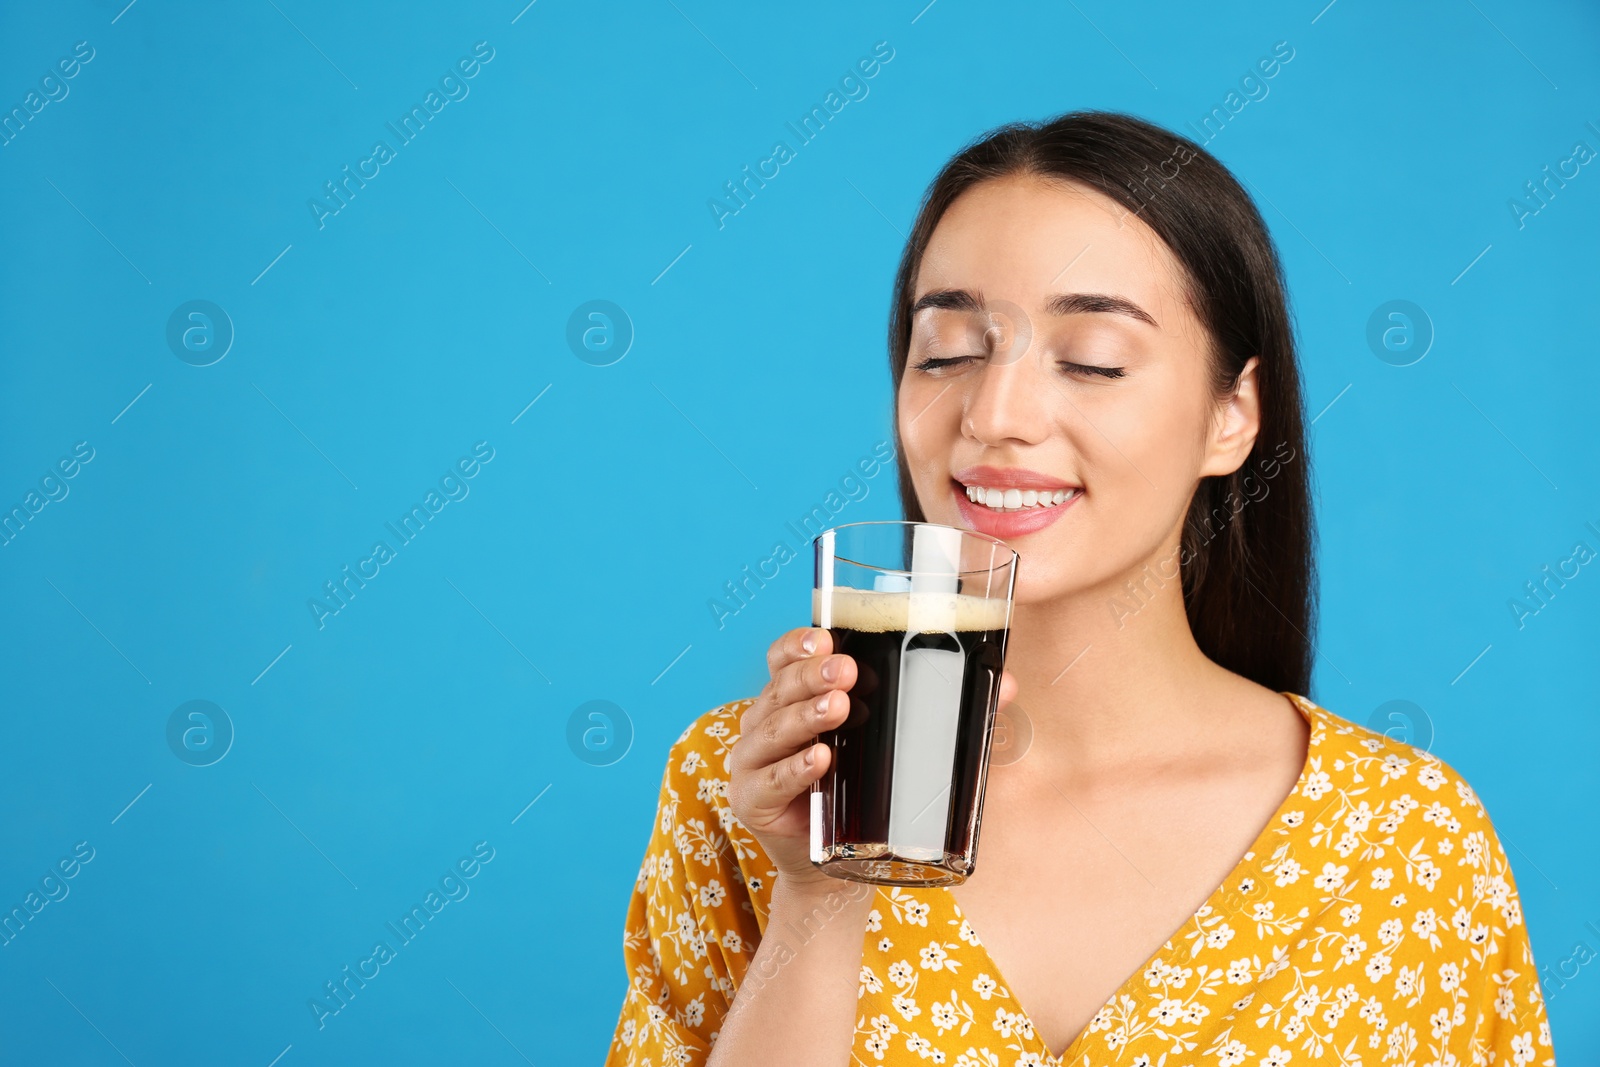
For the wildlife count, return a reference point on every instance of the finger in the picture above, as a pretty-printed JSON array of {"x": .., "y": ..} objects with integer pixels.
[
  {"x": 787, "y": 650},
  {"x": 791, "y": 729},
  {"x": 798, "y": 644},
  {"x": 811, "y": 677},
  {"x": 1008, "y": 687},
  {"x": 774, "y": 787}
]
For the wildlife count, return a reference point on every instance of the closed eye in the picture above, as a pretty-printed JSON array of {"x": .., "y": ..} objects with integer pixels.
[
  {"x": 1085, "y": 368},
  {"x": 931, "y": 363}
]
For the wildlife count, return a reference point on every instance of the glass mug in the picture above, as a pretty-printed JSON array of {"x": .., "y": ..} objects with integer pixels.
[{"x": 924, "y": 611}]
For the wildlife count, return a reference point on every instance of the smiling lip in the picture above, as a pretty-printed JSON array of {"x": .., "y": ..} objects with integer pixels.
[
  {"x": 1010, "y": 478},
  {"x": 1009, "y": 524}
]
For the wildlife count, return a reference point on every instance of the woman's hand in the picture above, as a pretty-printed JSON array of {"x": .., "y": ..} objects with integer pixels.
[{"x": 777, "y": 755}]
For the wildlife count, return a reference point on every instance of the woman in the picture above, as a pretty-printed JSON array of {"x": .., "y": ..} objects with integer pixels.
[{"x": 1193, "y": 864}]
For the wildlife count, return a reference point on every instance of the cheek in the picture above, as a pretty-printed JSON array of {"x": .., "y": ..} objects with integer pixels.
[
  {"x": 1160, "y": 430},
  {"x": 929, "y": 425}
]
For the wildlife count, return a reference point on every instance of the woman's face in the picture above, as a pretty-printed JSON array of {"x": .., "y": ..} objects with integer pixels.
[{"x": 1053, "y": 349}]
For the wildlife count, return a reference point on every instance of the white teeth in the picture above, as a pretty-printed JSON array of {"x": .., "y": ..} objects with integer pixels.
[{"x": 1018, "y": 499}]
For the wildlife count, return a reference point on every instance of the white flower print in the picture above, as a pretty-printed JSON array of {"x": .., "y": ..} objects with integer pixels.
[
  {"x": 1005, "y": 1022},
  {"x": 1220, "y": 936},
  {"x": 1428, "y": 874},
  {"x": 1232, "y": 1053},
  {"x": 1405, "y": 983},
  {"x": 869, "y": 982},
  {"x": 1393, "y": 767},
  {"x": 1331, "y": 878},
  {"x": 1276, "y": 1057}
]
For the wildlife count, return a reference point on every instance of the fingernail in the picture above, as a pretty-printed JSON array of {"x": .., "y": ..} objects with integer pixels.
[
  {"x": 822, "y": 703},
  {"x": 830, "y": 670},
  {"x": 811, "y": 755},
  {"x": 809, "y": 642}
]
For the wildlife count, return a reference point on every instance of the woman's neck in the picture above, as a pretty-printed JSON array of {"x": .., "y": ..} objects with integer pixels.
[{"x": 1104, "y": 677}]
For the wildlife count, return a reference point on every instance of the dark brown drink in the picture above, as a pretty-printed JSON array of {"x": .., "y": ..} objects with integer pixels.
[{"x": 901, "y": 802}]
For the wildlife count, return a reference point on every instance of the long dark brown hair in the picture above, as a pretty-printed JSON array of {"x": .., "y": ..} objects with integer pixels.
[{"x": 1249, "y": 578}]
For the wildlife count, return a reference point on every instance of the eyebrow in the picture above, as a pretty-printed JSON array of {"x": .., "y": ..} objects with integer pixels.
[{"x": 1060, "y": 304}]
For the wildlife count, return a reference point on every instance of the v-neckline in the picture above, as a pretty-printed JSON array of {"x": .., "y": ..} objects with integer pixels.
[{"x": 1317, "y": 730}]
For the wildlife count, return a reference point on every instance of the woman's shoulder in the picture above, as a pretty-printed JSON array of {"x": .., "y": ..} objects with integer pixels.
[
  {"x": 1381, "y": 797},
  {"x": 701, "y": 753},
  {"x": 1384, "y": 762},
  {"x": 694, "y": 813}
]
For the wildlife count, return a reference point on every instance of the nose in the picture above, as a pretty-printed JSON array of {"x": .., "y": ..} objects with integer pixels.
[{"x": 1007, "y": 403}]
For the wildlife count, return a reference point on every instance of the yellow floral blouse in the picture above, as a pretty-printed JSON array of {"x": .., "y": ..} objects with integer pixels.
[{"x": 1373, "y": 922}]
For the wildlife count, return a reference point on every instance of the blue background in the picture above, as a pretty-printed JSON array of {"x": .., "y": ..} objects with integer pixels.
[{"x": 374, "y": 351}]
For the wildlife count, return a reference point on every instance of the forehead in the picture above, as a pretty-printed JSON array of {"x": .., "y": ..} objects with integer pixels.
[{"x": 1024, "y": 237}]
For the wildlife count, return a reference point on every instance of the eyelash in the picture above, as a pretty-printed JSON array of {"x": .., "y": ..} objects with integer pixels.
[{"x": 931, "y": 363}]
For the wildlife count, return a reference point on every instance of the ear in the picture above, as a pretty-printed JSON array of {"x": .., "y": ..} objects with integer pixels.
[{"x": 1237, "y": 422}]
